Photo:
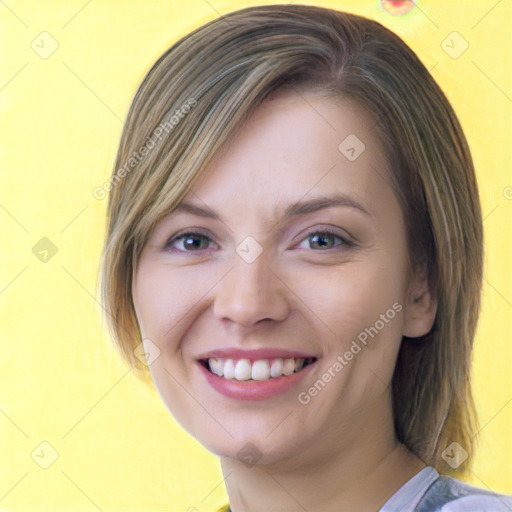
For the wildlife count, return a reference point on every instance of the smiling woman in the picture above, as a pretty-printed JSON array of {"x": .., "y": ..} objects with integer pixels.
[{"x": 299, "y": 253}]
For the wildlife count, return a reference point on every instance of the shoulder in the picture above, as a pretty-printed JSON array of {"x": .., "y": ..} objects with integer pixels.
[{"x": 447, "y": 494}]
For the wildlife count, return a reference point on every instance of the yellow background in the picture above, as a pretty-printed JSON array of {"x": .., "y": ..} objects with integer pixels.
[{"x": 61, "y": 117}]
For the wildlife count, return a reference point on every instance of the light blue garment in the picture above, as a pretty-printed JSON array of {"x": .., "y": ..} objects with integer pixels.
[{"x": 428, "y": 491}]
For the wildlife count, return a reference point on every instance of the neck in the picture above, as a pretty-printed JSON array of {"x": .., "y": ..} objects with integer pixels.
[{"x": 361, "y": 477}]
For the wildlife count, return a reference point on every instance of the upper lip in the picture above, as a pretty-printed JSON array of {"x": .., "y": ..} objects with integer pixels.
[{"x": 260, "y": 353}]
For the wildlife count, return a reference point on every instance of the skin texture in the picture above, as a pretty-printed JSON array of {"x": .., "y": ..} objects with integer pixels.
[{"x": 339, "y": 451}]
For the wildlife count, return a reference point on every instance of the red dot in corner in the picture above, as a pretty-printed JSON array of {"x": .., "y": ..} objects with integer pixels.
[{"x": 397, "y": 7}]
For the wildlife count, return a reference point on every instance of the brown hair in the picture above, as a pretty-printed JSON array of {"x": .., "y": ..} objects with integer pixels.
[{"x": 222, "y": 71}]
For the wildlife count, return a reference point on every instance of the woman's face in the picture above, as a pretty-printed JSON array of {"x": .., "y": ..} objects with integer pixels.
[{"x": 253, "y": 277}]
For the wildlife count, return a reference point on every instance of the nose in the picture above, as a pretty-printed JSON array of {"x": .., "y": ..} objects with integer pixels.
[{"x": 250, "y": 293}]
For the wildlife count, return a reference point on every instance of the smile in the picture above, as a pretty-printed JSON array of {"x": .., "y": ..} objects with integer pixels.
[
  {"x": 259, "y": 369},
  {"x": 245, "y": 379}
]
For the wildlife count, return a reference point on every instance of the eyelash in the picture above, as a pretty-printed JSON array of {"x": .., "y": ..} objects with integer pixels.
[{"x": 345, "y": 241}]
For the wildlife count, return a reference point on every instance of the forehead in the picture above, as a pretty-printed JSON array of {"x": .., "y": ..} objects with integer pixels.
[{"x": 297, "y": 145}]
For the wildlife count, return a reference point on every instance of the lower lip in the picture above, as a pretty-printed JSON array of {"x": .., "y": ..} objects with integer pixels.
[{"x": 254, "y": 389}]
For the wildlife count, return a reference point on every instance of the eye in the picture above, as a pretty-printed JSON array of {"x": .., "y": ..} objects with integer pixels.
[
  {"x": 190, "y": 240},
  {"x": 322, "y": 237}
]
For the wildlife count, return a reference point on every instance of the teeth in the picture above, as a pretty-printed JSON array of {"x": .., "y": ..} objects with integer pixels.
[
  {"x": 243, "y": 369},
  {"x": 276, "y": 370},
  {"x": 229, "y": 368},
  {"x": 218, "y": 368},
  {"x": 288, "y": 366},
  {"x": 261, "y": 369}
]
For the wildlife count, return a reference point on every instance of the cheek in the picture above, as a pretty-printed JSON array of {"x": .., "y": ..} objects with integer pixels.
[
  {"x": 351, "y": 297},
  {"x": 162, "y": 298}
]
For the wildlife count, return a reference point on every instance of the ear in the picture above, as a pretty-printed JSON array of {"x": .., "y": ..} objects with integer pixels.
[{"x": 420, "y": 306}]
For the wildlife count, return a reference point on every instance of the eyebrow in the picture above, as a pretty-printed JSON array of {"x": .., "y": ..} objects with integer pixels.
[{"x": 293, "y": 210}]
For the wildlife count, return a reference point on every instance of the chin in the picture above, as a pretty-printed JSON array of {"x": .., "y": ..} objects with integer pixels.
[{"x": 253, "y": 449}]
